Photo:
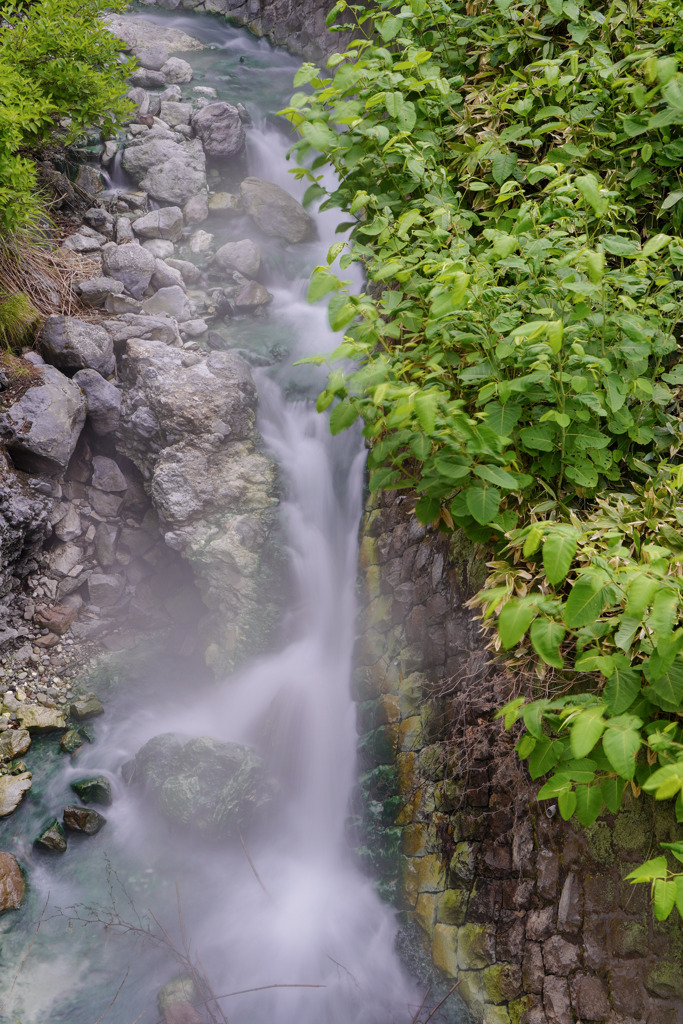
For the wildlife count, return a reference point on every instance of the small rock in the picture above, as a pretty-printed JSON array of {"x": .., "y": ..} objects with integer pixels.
[
  {"x": 72, "y": 344},
  {"x": 14, "y": 743},
  {"x": 171, "y": 300},
  {"x": 175, "y": 113},
  {"x": 166, "y": 277},
  {"x": 103, "y": 401},
  {"x": 99, "y": 219},
  {"x": 145, "y": 78},
  {"x": 52, "y": 837},
  {"x": 191, "y": 273},
  {"x": 81, "y": 243},
  {"x": 124, "y": 231},
  {"x": 196, "y": 209},
  {"x": 106, "y": 475},
  {"x": 122, "y": 304},
  {"x": 161, "y": 248},
  {"x": 194, "y": 328},
  {"x": 105, "y": 544},
  {"x": 153, "y": 57},
  {"x": 130, "y": 264},
  {"x": 40, "y": 720},
  {"x": 201, "y": 241},
  {"x": 176, "y": 71},
  {"x": 71, "y": 741},
  {"x": 105, "y": 503},
  {"x": 251, "y": 296},
  {"x": 84, "y": 819},
  {"x": 86, "y": 707},
  {"x": 69, "y": 527},
  {"x": 165, "y": 223},
  {"x": 12, "y": 885},
  {"x": 96, "y": 291},
  {"x": 243, "y": 256},
  {"x": 105, "y": 589},
  {"x": 12, "y": 789},
  {"x": 226, "y": 204},
  {"x": 57, "y": 619},
  {"x": 95, "y": 790}
]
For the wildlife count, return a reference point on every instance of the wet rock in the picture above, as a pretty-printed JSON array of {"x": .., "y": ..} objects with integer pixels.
[
  {"x": 181, "y": 1013},
  {"x": 86, "y": 707},
  {"x": 105, "y": 589},
  {"x": 52, "y": 837},
  {"x": 225, "y": 204},
  {"x": 71, "y": 741},
  {"x": 177, "y": 71},
  {"x": 12, "y": 885},
  {"x": 251, "y": 296},
  {"x": 103, "y": 401},
  {"x": 243, "y": 256},
  {"x": 95, "y": 790},
  {"x": 196, "y": 209},
  {"x": 220, "y": 128},
  {"x": 170, "y": 170},
  {"x": 96, "y": 291},
  {"x": 71, "y": 344},
  {"x": 42, "y": 428},
  {"x": 175, "y": 1001},
  {"x": 172, "y": 301},
  {"x": 14, "y": 743},
  {"x": 89, "y": 179},
  {"x": 139, "y": 34},
  {"x": 40, "y": 719},
  {"x": 57, "y": 619},
  {"x": 131, "y": 264},
  {"x": 84, "y": 819},
  {"x": 274, "y": 211},
  {"x": 213, "y": 788},
  {"x": 106, "y": 475},
  {"x": 12, "y": 789},
  {"x": 165, "y": 223}
]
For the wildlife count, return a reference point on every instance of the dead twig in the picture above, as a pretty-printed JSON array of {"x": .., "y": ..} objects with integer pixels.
[
  {"x": 420, "y": 1008},
  {"x": 251, "y": 863},
  {"x": 25, "y": 958},
  {"x": 115, "y": 997},
  {"x": 442, "y": 1001}
]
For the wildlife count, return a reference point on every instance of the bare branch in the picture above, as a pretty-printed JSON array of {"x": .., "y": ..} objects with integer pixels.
[{"x": 115, "y": 997}]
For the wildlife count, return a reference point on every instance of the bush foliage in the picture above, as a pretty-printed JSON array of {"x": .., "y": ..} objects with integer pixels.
[
  {"x": 513, "y": 172},
  {"x": 60, "y": 75}
]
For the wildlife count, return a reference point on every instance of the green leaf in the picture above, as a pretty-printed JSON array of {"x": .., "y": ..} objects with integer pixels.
[
  {"x": 538, "y": 438},
  {"x": 586, "y": 730},
  {"x": 502, "y": 418},
  {"x": 620, "y": 245},
  {"x": 496, "y": 475},
  {"x": 664, "y": 610},
  {"x": 546, "y": 637},
  {"x": 589, "y": 187},
  {"x": 654, "y": 244},
  {"x": 483, "y": 502},
  {"x": 669, "y": 685},
  {"x": 426, "y": 407},
  {"x": 674, "y": 848},
  {"x": 663, "y": 897},
  {"x": 585, "y": 603},
  {"x": 515, "y": 618},
  {"x": 612, "y": 793},
  {"x": 342, "y": 417},
  {"x": 322, "y": 282},
  {"x": 622, "y": 687},
  {"x": 649, "y": 871},
  {"x": 566, "y": 802},
  {"x": 502, "y": 166},
  {"x": 665, "y": 782},
  {"x": 544, "y": 756},
  {"x": 671, "y": 200},
  {"x": 621, "y": 742},
  {"x": 588, "y": 804},
  {"x": 559, "y": 548},
  {"x": 427, "y": 510}
]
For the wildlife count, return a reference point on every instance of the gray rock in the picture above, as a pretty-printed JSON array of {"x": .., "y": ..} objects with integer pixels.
[
  {"x": 122, "y": 304},
  {"x": 140, "y": 98},
  {"x": 81, "y": 243},
  {"x": 194, "y": 328},
  {"x": 124, "y": 231},
  {"x": 251, "y": 296},
  {"x": 166, "y": 277},
  {"x": 105, "y": 503},
  {"x": 95, "y": 291},
  {"x": 86, "y": 707},
  {"x": 144, "y": 78},
  {"x": 165, "y": 223},
  {"x": 52, "y": 837},
  {"x": 171, "y": 300},
  {"x": 69, "y": 527},
  {"x": 153, "y": 57},
  {"x": 274, "y": 211},
  {"x": 200, "y": 242},
  {"x": 89, "y": 179},
  {"x": 196, "y": 209},
  {"x": 225, "y": 204},
  {"x": 64, "y": 557},
  {"x": 42, "y": 428},
  {"x": 219, "y": 127},
  {"x": 71, "y": 344},
  {"x": 149, "y": 328},
  {"x": 94, "y": 790},
  {"x": 106, "y": 475},
  {"x": 175, "y": 113},
  {"x": 139, "y": 34},
  {"x": 160, "y": 248},
  {"x": 209, "y": 787},
  {"x": 190, "y": 272},
  {"x": 177, "y": 71},
  {"x": 40, "y": 719},
  {"x": 130, "y": 264},
  {"x": 244, "y": 256},
  {"x": 103, "y": 401},
  {"x": 180, "y": 174},
  {"x": 12, "y": 789},
  {"x": 105, "y": 589},
  {"x": 105, "y": 544},
  {"x": 99, "y": 219}
]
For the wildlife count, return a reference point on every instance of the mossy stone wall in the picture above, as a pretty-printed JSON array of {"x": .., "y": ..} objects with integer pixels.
[{"x": 531, "y": 914}]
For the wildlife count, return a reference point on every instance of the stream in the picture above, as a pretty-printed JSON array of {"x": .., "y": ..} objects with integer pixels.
[{"x": 294, "y": 908}]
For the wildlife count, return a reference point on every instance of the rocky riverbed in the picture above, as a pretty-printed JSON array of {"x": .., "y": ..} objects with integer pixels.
[{"x": 137, "y": 495}]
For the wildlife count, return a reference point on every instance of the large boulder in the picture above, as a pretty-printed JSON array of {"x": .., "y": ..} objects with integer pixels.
[
  {"x": 170, "y": 169},
  {"x": 274, "y": 211},
  {"x": 215, "y": 789},
  {"x": 71, "y": 344},
  {"x": 177, "y": 71},
  {"x": 131, "y": 264},
  {"x": 12, "y": 885},
  {"x": 165, "y": 223},
  {"x": 42, "y": 428},
  {"x": 103, "y": 400},
  {"x": 170, "y": 300},
  {"x": 220, "y": 128},
  {"x": 38, "y": 719},
  {"x": 139, "y": 35},
  {"x": 244, "y": 256}
]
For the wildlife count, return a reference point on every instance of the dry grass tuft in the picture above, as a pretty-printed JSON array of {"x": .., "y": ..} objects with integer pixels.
[{"x": 30, "y": 264}]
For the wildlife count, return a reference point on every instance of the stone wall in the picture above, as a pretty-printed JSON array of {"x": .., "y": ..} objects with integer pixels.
[
  {"x": 529, "y": 912},
  {"x": 296, "y": 25}
]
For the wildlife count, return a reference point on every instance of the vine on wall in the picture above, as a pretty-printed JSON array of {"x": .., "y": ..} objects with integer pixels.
[{"x": 512, "y": 171}]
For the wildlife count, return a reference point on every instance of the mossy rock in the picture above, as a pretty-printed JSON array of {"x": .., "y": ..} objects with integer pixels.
[{"x": 216, "y": 789}]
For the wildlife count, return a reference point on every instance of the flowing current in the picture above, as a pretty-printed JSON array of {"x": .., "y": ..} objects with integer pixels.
[{"x": 294, "y": 909}]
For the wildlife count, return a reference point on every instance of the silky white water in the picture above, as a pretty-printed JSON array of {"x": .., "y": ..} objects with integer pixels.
[{"x": 311, "y": 917}]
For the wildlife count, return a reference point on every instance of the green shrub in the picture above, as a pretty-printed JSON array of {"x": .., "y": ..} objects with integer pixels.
[
  {"x": 60, "y": 74},
  {"x": 19, "y": 321},
  {"x": 513, "y": 171}
]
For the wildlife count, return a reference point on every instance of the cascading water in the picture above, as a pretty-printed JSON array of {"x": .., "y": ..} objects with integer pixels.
[{"x": 301, "y": 913}]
